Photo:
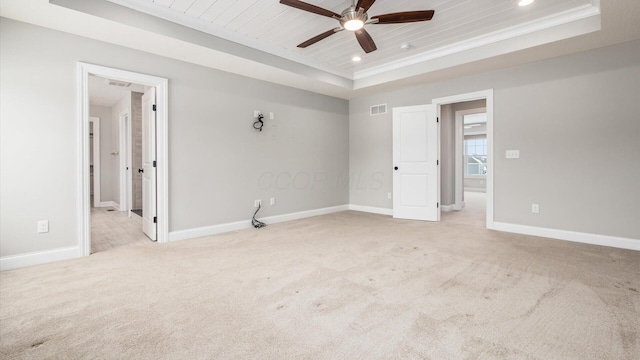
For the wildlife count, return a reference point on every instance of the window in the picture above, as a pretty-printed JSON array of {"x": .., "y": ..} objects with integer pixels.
[{"x": 475, "y": 157}]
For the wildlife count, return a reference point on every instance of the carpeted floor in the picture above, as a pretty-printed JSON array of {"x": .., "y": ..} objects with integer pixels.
[{"x": 342, "y": 286}]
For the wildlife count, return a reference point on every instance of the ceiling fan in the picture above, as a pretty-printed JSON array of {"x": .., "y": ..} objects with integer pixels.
[{"x": 355, "y": 17}]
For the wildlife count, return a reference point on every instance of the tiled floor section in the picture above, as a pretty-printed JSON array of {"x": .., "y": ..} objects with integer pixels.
[{"x": 111, "y": 229}]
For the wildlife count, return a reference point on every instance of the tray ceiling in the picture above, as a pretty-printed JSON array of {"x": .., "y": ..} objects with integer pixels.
[
  {"x": 269, "y": 26},
  {"x": 258, "y": 38}
]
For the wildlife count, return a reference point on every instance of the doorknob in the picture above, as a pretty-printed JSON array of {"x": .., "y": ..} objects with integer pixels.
[
  {"x": 140, "y": 170},
  {"x": 395, "y": 168}
]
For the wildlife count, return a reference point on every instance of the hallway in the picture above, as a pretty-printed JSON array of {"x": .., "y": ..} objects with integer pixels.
[
  {"x": 111, "y": 228},
  {"x": 474, "y": 212}
]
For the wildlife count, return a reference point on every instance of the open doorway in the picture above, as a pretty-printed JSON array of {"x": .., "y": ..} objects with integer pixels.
[
  {"x": 466, "y": 150},
  {"x": 130, "y": 110},
  {"x": 471, "y": 163},
  {"x": 116, "y": 133}
]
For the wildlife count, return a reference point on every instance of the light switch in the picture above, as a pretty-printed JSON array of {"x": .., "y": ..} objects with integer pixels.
[
  {"x": 513, "y": 154},
  {"x": 271, "y": 116}
]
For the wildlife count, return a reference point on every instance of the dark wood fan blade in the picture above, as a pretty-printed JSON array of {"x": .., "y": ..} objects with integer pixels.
[
  {"x": 365, "y": 41},
  {"x": 404, "y": 17},
  {"x": 365, "y": 4},
  {"x": 315, "y": 39},
  {"x": 310, "y": 8}
]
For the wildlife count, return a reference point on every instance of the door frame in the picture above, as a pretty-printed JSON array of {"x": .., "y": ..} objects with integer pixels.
[
  {"x": 162, "y": 144},
  {"x": 458, "y": 201},
  {"x": 125, "y": 160},
  {"x": 96, "y": 161},
  {"x": 488, "y": 96}
]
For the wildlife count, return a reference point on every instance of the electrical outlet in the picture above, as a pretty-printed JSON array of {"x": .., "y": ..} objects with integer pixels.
[
  {"x": 535, "y": 208},
  {"x": 257, "y": 203},
  {"x": 43, "y": 226},
  {"x": 273, "y": 201},
  {"x": 256, "y": 113},
  {"x": 389, "y": 196}
]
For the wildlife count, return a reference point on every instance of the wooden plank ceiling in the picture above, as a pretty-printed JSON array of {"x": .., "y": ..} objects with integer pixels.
[{"x": 280, "y": 28}]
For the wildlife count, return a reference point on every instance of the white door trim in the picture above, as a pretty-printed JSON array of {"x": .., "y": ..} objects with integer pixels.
[
  {"x": 488, "y": 96},
  {"x": 125, "y": 170},
  {"x": 459, "y": 155},
  {"x": 96, "y": 160},
  {"x": 162, "y": 155}
]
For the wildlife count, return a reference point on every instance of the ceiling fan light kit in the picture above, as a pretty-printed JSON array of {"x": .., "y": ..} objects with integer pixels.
[{"x": 355, "y": 17}]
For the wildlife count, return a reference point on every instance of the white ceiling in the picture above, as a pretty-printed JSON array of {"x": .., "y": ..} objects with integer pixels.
[
  {"x": 275, "y": 28},
  {"x": 258, "y": 38},
  {"x": 103, "y": 94}
]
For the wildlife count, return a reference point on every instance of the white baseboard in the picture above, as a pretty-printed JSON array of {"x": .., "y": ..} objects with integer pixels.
[
  {"x": 370, "y": 209},
  {"x": 39, "y": 257},
  {"x": 594, "y": 239},
  {"x": 112, "y": 204},
  {"x": 481, "y": 190},
  {"x": 448, "y": 207},
  {"x": 246, "y": 224}
]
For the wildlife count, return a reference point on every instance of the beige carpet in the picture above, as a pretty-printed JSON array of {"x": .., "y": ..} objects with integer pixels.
[{"x": 342, "y": 286}]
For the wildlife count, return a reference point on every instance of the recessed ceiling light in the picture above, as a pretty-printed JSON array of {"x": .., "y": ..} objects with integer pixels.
[
  {"x": 525, "y": 2},
  {"x": 356, "y": 58},
  {"x": 405, "y": 46}
]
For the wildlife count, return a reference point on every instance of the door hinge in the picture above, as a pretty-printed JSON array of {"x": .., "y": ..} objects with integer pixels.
[
  {"x": 437, "y": 162},
  {"x": 155, "y": 164},
  {"x": 437, "y": 205},
  {"x": 154, "y": 107},
  {"x": 155, "y": 219},
  {"x": 437, "y": 119}
]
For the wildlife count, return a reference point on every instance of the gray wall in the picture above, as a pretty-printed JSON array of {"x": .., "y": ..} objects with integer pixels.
[
  {"x": 122, "y": 106},
  {"x": 475, "y": 184},
  {"x": 218, "y": 164},
  {"x": 136, "y": 149},
  {"x": 575, "y": 120},
  {"x": 109, "y": 180},
  {"x": 447, "y": 155}
]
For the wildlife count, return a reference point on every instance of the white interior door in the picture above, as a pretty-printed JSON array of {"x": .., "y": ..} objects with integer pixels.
[
  {"x": 416, "y": 174},
  {"x": 149, "y": 211}
]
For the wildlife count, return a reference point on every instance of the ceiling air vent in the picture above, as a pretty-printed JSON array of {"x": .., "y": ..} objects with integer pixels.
[
  {"x": 116, "y": 83},
  {"x": 378, "y": 109}
]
